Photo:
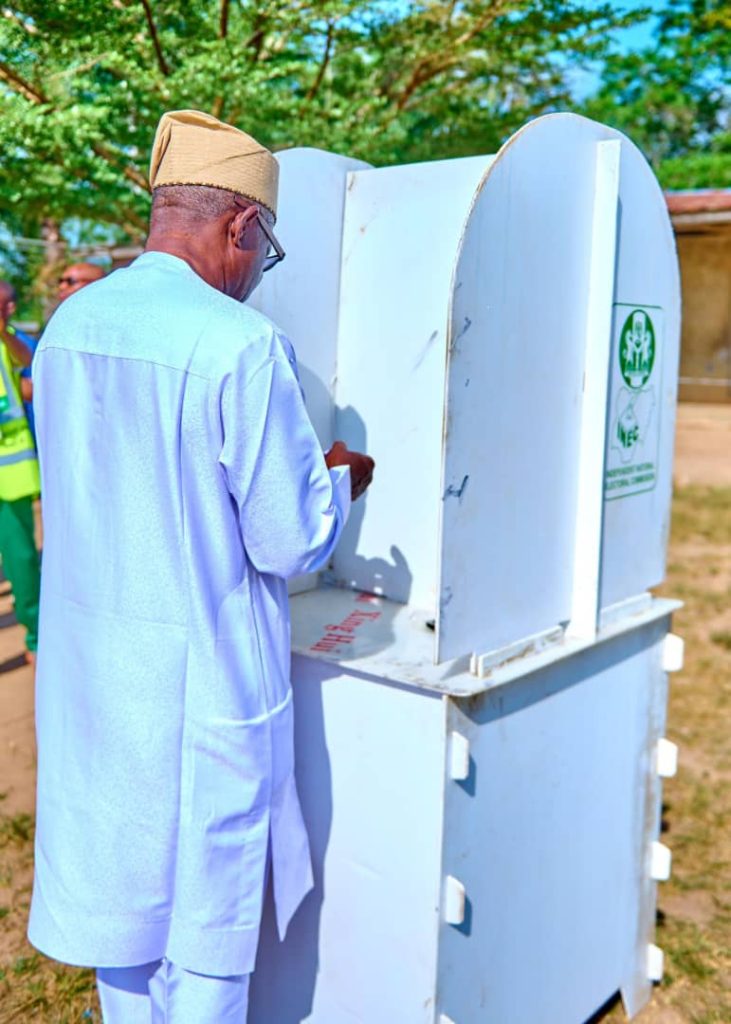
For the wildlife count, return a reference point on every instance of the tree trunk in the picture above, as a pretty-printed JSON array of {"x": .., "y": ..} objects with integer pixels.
[{"x": 55, "y": 258}]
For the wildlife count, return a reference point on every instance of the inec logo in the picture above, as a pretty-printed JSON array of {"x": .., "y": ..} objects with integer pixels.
[
  {"x": 637, "y": 349},
  {"x": 633, "y": 434}
]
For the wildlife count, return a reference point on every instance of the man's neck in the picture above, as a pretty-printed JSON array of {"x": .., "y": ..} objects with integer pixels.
[{"x": 190, "y": 250}]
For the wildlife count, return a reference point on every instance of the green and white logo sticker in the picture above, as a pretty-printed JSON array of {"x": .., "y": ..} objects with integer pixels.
[
  {"x": 637, "y": 349},
  {"x": 634, "y": 423}
]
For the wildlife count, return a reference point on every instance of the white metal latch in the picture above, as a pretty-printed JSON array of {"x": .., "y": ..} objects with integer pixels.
[
  {"x": 661, "y": 860},
  {"x": 454, "y": 900},
  {"x": 459, "y": 757},
  {"x": 655, "y": 962},
  {"x": 673, "y": 648},
  {"x": 666, "y": 758}
]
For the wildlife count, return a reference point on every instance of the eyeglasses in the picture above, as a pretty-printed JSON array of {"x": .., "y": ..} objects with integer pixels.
[
  {"x": 67, "y": 279},
  {"x": 272, "y": 258}
]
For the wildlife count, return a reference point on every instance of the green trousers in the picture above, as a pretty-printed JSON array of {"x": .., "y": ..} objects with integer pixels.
[{"x": 21, "y": 564}]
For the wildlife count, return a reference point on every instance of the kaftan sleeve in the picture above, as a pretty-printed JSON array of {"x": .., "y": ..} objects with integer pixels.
[{"x": 291, "y": 507}]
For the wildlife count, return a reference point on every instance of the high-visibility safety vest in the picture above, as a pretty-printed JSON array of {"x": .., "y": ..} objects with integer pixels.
[{"x": 19, "y": 476}]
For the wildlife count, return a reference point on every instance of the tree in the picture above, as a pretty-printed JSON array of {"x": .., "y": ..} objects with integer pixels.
[
  {"x": 83, "y": 83},
  {"x": 674, "y": 97}
]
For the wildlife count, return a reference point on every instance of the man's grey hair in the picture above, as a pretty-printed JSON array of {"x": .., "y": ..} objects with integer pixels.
[{"x": 199, "y": 202}]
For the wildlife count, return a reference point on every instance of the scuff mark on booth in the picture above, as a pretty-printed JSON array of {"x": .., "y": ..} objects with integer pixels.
[
  {"x": 464, "y": 328},
  {"x": 425, "y": 351},
  {"x": 456, "y": 338},
  {"x": 456, "y": 492}
]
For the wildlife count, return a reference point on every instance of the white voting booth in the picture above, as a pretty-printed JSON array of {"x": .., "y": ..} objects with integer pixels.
[{"x": 480, "y": 676}]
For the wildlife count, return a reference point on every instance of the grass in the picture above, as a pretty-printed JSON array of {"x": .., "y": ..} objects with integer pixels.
[
  {"x": 33, "y": 988},
  {"x": 694, "y": 919},
  {"x": 723, "y": 639},
  {"x": 18, "y": 828},
  {"x": 694, "y": 927}
]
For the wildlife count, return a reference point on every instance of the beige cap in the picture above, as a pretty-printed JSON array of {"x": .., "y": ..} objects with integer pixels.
[{"x": 193, "y": 148}]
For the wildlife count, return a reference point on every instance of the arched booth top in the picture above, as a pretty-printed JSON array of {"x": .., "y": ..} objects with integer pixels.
[{"x": 501, "y": 334}]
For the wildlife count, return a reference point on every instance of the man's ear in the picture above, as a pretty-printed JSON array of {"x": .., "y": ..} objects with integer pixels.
[
  {"x": 11, "y": 307},
  {"x": 239, "y": 224}
]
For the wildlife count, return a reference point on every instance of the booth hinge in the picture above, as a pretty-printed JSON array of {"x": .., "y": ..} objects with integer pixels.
[
  {"x": 661, "y": 860},
  {"x": 459, "y": 757},
  {"x": 655, "y": 962},
  {"x": 673, "y": 648},
  {"x": 666, "y": 758},
  {"x": 454, "y": 900}
]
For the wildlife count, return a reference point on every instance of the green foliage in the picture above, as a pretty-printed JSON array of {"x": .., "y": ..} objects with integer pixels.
[
  {"x": 673, "y": 98},
  {"x": 707, "y": 168},
  {"x": 84, "y": 82}
]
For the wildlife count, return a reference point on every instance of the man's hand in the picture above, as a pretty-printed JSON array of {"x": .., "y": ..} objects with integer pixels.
[{"x": 361, "y": 467}]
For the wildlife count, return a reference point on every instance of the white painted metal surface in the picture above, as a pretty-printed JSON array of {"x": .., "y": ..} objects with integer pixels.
[
  {"x": 482, "y": 664},
  {"x": 673, "y": 653},
  {"x": 514, "y": 386},
  {"x": 597, "y": 345},
  {"x": 528, "y": 344},
  {"x": 363, "y": 947},
  {"x": 655, "y": 963},
  {"x": 666, "y": 758},
  {"x": 549, "y": 838},
  {"x": 455, "y": 901},
  {"x": 536, "y": 861},
  {"x": 521, "y": 267},
  {"x": 388, "y": 640},
  {"x": 661, "y": 861},
  {"x": 647, "y": 289},
  {"x": 402, "y": 227},
  {"x": 302, "y": 295},
  {"x": 485, "y": 825},
  {"x": 459, "y": 757}
]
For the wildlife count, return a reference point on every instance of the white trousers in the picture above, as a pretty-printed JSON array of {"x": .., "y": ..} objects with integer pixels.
[{"x": 162, "y": 993}]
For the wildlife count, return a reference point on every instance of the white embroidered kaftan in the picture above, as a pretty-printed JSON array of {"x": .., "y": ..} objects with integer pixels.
[{"x": 182, "y": 483}]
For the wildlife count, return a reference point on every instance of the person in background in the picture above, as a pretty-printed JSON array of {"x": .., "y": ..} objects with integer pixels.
[
  {"x": 21, "y": 357},
  {"x": 72, "y": 280},
  {"x": 76, "y": 277},
  {"x": 19, "y": 478}
]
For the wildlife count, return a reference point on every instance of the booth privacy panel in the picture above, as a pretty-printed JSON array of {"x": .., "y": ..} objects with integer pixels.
[
  {"x": 501, "y": 335},
  {"x": 537, "y": 290}
]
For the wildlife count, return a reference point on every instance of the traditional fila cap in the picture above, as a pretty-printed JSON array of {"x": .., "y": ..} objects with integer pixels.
[{"x": 193, "y": 148}]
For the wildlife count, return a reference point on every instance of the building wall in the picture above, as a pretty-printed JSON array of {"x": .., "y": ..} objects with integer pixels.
[{"x": 705, "y": 360}]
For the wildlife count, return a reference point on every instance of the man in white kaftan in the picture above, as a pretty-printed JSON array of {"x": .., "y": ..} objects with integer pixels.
[{"x": 183, "y": 483}]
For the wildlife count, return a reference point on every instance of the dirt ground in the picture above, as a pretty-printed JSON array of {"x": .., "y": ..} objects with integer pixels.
[
  {"x": 694, "y": 907},
  {"x": 703, "y": 445}
]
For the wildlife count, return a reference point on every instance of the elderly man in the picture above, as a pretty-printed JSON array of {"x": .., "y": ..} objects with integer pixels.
[
  {"x": 185, "y": 488},
  {"x": 19, "y": 479}
]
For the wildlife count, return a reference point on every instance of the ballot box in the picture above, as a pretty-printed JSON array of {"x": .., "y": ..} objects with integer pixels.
[{"x": 480, "y": 676}]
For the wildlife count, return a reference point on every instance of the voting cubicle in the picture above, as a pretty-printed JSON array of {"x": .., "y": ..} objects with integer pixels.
[{"x": 480, "y": 675}]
